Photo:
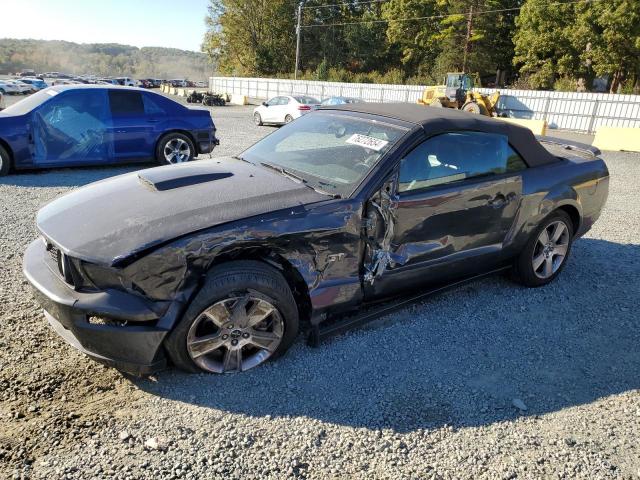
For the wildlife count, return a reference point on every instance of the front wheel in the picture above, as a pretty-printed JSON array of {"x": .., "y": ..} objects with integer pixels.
[
  {"x": 547, "y": 251},
  {"x": 174, "y": 148},
  {"x": 244, "y": 315},
  {"x": 5, "y": 162},
  {"x": 257, "y": 119}
]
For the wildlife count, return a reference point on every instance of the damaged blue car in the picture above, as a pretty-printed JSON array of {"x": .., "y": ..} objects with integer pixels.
[{"x": 84, "y": 125}]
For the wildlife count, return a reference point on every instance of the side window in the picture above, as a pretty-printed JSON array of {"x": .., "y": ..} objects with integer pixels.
[
  {"x": 452, "y": 157},
  {"x": 152, "y": 106},
  {"x": 284, "y": 100},
  {"x": 274, "y": 101},
  {"x": 125, "y": 102}
]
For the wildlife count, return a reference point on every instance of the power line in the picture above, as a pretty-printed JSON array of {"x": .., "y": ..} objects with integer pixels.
[
  {"x": 354, "y": 4},
  {"x": 433, "y": 17}
]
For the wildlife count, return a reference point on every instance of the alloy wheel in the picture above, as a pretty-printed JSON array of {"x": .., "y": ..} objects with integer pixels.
[
  {"x": 177, "y": 150},
  {"x": 551, "y": 249},
  {"x": 235, "y": 334}
]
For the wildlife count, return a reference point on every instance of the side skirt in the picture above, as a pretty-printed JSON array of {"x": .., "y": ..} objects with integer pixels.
[{"x": 340, "y": 325}]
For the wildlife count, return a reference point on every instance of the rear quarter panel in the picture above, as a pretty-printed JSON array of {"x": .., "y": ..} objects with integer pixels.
[{"x": 575, "y": 182}]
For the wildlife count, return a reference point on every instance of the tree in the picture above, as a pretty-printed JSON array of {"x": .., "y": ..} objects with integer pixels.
[
  {"x": 608, "y": 36},
  {"x": 251, "y": 37}
]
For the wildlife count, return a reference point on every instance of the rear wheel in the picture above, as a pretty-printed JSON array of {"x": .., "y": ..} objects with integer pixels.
[
  {"x": 174, "y": 148},
  {"x": 547, "y": 251},
  {"x": 288, "y": 119},
  {"x": 5, "y": 161},
  {"x": 244, "y": 315}
]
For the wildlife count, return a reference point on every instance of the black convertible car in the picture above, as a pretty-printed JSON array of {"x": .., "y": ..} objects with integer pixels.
[{"x": 218, "y": 264}]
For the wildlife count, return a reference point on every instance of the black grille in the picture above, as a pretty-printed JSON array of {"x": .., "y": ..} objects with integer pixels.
[{"x": 62, "y": 263}]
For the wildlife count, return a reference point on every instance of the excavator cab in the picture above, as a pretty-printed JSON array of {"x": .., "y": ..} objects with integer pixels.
[{"x": 457, "y": 86}]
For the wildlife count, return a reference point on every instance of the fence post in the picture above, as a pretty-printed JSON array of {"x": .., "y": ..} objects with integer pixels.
[
  {"x": 406, "y": 96},
  {"x": 322, "y": 92},
  {"x": 594, "y": 112},
  {"x": 278, "y": 88},
  {"x": 341, "y": 89},
  {"x": 382, "y": 95},
  {"x": 545, "y": 112}
]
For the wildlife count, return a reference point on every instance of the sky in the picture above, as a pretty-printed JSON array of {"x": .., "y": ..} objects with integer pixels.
[{"x": 142, "y": 23}]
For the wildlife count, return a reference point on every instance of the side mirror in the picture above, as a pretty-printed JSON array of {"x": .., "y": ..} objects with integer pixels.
[{"x": 265, "y": 104}]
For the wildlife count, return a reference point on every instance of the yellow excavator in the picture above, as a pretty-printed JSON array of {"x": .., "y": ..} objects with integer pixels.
[{"x": 457, "y": 92}]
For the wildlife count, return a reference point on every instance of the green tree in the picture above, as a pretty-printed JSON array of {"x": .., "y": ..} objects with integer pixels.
[
  {"x": 544, "y": 45},
  {"x": 251, "y": 37},
  {"x": 608, "y": 36}
]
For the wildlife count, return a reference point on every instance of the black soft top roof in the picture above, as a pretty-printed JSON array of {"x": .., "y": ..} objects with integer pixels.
[{"x": 441, "y": 120}]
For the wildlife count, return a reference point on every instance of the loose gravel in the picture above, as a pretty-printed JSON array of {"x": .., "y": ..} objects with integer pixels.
[{"x": 490, "y": 380}]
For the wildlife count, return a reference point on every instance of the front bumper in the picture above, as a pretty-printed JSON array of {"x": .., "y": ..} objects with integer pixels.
[{"x": 134, "y": 349}]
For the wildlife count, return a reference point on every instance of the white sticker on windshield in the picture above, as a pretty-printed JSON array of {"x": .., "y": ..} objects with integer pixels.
[{"x": 367, "y": 142}]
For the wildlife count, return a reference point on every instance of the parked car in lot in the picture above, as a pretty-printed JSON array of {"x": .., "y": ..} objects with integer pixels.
[
  {"x": 8, "y": 88},
  {"x": 340, "y": 100},
  {"x": 2, "y": 103},
  {"x": 69, "y": 125},
  {"x": 19, "y": 88},
  {"x": 284, "y": 109},
  {"x": 125, "y": 81},
  {"x": 35, "y": 83},
  {"x": 219, "y": 264}
]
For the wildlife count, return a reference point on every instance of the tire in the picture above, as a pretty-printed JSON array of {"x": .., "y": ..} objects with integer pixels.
[
  {"x": 257, "y": 119},
  {"x": 5, "y": 162},
  {"x": 288, "y": 119},
  {"x": 552, "y": 263},
  {"x": 232, "y": 283},
  {"x": 182, "y": 148},
  {"x": 189, "y": 100},
  {"x": 474, "y": 107}
]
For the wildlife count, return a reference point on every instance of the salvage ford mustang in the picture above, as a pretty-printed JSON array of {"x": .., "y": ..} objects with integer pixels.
[{"x": 217, "y": 265}]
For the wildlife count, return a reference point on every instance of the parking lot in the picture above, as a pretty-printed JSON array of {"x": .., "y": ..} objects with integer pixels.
[{"x": 490, "y": 380}]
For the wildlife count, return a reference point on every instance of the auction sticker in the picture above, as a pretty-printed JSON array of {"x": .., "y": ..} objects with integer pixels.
[{"x": 367, "y": 142}]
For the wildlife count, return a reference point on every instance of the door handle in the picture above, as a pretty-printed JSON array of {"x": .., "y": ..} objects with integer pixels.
[{"x": 498, "y": 201}]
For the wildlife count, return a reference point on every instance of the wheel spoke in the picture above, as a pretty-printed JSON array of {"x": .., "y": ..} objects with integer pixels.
[
  {"x": 557, "y": 232},
  {"x": 544, "y": 237},
  {"x": 259, "y": 311},
  {"x": 548, "y": 266},
  {"x": 203, "y": 345},
  {"x": 239, "y": 310},
  {"x": 560, "y": 250},
  {"x": 232, "y": 360},
  {"x": 266, "y": 340},
  {"x": 219, "y": 314},
  {"x": 537, "y": 261}
]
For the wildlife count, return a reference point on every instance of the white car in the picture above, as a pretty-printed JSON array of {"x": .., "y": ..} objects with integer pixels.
[
  {"x": 23, "y": 88},
  {"x": 284, "y": 109},
  {"x": 126, "y": 81},
  {"x": 7, "y": 87}
]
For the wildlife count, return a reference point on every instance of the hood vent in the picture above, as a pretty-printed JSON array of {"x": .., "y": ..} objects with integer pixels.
[{"x": 171, "y": 177}]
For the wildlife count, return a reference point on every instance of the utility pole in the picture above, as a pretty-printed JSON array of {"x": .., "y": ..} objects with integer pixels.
[
  {"x": 298, "y": 32},
  {"x": 467, "y": 42}
]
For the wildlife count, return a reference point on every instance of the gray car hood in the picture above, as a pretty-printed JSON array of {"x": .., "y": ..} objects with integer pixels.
[{"x": 110, "y": 220}]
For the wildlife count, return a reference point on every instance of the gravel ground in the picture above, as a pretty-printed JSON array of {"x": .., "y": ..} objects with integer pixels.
[{"x": 489, "y": 380}]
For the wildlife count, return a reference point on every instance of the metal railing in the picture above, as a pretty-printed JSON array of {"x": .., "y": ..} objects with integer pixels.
[{"x": 583, "y": 112}]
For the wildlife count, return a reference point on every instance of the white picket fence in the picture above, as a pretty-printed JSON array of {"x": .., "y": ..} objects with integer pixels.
[{"x": 582, "y": 112}]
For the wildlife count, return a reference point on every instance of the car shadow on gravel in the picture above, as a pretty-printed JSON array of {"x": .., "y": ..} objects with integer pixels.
[
  {"x": 67, "y": 177},
  {"x": 469, "y": 357}
]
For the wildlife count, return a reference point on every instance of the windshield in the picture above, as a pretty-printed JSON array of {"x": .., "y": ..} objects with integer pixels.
[
  {"x": 331, "y": 152},
  {"x": 29, "y": 103}
]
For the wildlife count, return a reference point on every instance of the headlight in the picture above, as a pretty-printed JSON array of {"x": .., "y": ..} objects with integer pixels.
[{"x": 103, "y": 277}]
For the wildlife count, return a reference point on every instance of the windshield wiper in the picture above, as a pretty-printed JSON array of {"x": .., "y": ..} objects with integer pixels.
[
  {"x": 298, "y": 178},
  {"x": 238, "y": 157}
]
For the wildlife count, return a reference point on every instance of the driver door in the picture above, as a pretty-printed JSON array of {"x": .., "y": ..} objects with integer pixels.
[
  {"x": 72, "y": 128},
  {"x": 457, "y": 197}
]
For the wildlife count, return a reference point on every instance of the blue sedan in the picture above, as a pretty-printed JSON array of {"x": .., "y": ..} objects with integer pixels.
[{"x": 73, "y": 125}]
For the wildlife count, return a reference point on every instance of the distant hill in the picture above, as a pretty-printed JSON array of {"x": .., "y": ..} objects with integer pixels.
[{"x": 101, "y": 59}]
